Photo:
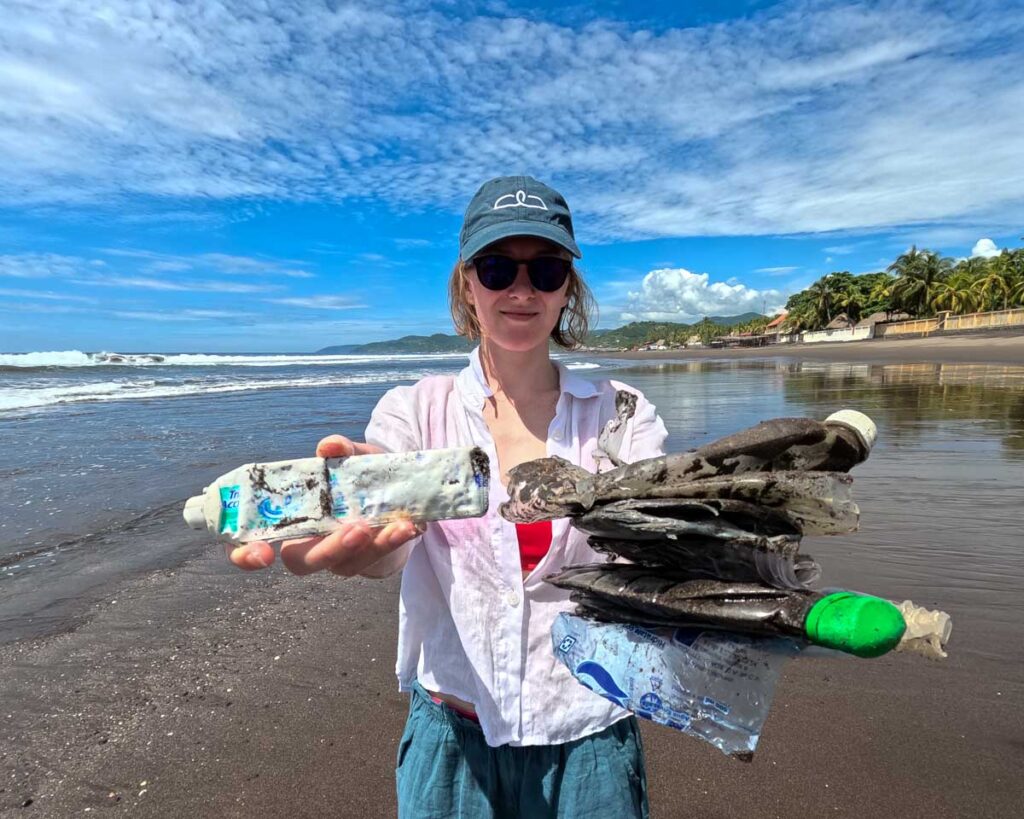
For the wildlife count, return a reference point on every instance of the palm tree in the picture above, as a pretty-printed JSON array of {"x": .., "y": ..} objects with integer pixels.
[
  {"x": 880, "y": 294},
  {"x": 994, "y": 288},
  {"x": 822, "y": 298},
  {"x": 917, "y": 274},
  {"x": 956, "y": 294}
]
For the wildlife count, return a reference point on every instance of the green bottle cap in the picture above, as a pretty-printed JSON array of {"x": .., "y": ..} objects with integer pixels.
[{"x": 858, "y": 624}]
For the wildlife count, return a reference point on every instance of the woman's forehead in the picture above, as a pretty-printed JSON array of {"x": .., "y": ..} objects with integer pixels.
[{"x": 525, "y": 247}]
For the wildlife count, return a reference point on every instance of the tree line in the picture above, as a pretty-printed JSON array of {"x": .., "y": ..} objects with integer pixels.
[{"x": 919, "y": 283}]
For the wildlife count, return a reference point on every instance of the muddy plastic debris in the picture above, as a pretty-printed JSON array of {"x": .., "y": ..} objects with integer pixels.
[
  {"x": 857, "y": 624},
  {"x": 311, "y": 496}
]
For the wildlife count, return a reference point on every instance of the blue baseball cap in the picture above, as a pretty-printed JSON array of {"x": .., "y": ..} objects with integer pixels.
[{"x": 515, "y": 206}]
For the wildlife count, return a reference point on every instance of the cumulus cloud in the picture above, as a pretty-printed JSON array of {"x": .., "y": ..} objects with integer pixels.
[
  {"x": 795, "y": 120},
  {"x": 676, "y": 294},
  {"x": 985, "y": 248}
]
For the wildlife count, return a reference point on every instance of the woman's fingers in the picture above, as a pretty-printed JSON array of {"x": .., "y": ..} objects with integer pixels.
[
  {"x": 357, "y": 545},
  {"x": 293, "y": 554},
  {"x": 250, "y": 556},
  {"x": 346, "y": 551},
  {"x": 338, "y": 446}
]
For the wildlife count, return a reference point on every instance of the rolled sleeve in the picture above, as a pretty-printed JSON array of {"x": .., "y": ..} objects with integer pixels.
[{"x": 648, "y": 435}]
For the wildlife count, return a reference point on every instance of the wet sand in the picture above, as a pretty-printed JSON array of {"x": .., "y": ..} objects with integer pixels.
[
  {"x": 207, "y": 693},
  {"x": 974, "y": 348}
]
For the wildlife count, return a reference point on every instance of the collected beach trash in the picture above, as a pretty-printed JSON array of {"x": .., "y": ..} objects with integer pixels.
[
  {"x": 856, "y": 624},
  {"x": 709, "y": 592},
  {"x": 713, "y": 685},
  {"x": 927, "y": 631},
  {"x": 313, "y": 496}
]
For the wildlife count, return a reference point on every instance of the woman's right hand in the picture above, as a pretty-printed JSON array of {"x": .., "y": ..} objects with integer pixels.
[{"x": 347, "y": 551}]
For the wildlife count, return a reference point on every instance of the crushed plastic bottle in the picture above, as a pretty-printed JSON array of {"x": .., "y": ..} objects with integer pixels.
[
  {"x": 312, "y": 496},
  {"x": 713, "y": 685}
]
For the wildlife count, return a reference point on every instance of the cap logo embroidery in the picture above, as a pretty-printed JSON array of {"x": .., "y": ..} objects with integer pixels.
[{"x": 519, "y": 199}]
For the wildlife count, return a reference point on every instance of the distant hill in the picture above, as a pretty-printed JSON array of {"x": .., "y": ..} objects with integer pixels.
[
  {"x": 631, "y": 335},
  {"x": 641, "y": 332},
  {"x": 437, "y": 343}
]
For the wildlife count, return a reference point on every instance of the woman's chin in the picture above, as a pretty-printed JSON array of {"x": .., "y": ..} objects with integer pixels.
[{"x": 518, "y": 339}]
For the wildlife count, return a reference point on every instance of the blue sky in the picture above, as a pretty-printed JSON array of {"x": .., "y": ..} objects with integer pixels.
[{"x": 251, "y": 176}]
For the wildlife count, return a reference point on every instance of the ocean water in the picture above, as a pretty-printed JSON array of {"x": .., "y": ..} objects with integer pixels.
[{"x": 97, "y": 456}]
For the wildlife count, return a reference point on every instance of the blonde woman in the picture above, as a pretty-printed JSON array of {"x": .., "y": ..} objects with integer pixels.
[{"x": 497, "y": 727}]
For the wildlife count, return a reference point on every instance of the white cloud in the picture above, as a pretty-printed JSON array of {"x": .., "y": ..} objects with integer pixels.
[
  {"x": 986, "y": 248},
  {"x": 808, "y": 117},
  {"x": 777, "y": 271},
  {"x": 177, "y": 286},
  {"x": 320, "y": 302},
  {"x": 46, "y": 295},
  {"x": 223, "y": 263},
  {"x": 676, "y": 294},
  {"x": 45, "y": 265}
]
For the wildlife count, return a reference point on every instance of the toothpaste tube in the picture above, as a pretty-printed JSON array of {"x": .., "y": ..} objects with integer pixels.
[{"x": 314, "y": 496}]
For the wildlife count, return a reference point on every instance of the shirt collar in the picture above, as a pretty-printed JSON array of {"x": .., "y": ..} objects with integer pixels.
[{"x": 472, "y": 383}]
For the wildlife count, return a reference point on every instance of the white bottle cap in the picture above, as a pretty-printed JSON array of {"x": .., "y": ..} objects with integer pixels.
[
  {"x": 859, "y": 423},
  {"x": 193, "y": 513}
]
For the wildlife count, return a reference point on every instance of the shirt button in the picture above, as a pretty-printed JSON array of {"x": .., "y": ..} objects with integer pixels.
[
  {"x": 512, "y": 598},
  {"x": 557, "y": 436}
]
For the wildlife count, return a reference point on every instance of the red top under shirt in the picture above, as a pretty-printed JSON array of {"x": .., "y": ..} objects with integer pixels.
[{"x": 534, "y": 542}]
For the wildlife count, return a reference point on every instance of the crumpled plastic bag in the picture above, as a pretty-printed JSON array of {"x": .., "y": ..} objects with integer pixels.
[{"x": 713, "y": 685}]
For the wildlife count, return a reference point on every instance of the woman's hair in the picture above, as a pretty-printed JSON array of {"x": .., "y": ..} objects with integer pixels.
[{"x": 573, "y": 322}]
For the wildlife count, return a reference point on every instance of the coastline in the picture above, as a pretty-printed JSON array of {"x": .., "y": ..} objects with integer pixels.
[{"x": 968, "y": 349}]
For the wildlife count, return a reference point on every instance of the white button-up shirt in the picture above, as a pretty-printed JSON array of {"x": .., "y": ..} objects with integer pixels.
[{"x": 470, "y": 624}]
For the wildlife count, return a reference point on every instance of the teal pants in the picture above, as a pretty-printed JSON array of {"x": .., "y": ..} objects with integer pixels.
[{"x": 446, "y": 769}]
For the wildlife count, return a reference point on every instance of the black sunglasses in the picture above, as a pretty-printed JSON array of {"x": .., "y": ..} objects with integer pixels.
[{"x": 547, "y": 273}]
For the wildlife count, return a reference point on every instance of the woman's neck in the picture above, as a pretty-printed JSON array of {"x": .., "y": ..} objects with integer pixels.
[{"x": 518, "y": 374}]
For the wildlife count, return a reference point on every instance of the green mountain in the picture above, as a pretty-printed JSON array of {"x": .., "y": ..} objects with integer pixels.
[
  {"x": 631, "y": 335},
  {"x": 437, "y": 343},
  {"x": 638, "y": 333}
]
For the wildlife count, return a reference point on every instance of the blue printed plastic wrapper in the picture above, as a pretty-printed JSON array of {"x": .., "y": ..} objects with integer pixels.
[{"x": 714, "y": 685}]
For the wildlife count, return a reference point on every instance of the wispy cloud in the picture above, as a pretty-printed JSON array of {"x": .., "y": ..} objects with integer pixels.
[
  {"x": 320, "y": 302},
  {"x": 46, "y": 295},
  {"x": 795, "y": 120},
  {"x": 175, "y": 286},
  {"x": 777, "y": 271},
  {"x": 181, "y": 315},
  {"x": 222, "y": 263}
]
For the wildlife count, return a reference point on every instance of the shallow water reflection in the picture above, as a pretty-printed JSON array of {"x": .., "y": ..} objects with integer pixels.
[{"x": 942, "y": 496}]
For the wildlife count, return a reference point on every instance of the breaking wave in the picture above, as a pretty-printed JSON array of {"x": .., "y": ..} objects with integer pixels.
[
  {"x": 72, "y": 359},
  {"x": 126, "y": 390}
]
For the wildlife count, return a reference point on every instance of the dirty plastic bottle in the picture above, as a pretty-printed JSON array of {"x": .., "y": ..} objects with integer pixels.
[
  {"x": 313, "y": 496},
  {"x": 857, "y": 624}
]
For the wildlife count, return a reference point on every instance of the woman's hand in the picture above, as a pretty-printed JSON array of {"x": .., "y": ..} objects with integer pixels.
[{"x": 354, "y": 546}]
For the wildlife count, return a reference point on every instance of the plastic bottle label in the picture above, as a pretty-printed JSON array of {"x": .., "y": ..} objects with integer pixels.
[{"x": 229, "y": 497}]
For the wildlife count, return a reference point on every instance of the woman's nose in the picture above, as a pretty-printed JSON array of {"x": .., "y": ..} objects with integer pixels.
[{"x": 522, "y": 285}]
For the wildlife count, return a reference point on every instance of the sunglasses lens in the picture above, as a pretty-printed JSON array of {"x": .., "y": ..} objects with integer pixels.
[
  {"x": 495, "y": 272},
  {"x": 548, "y": 273}
]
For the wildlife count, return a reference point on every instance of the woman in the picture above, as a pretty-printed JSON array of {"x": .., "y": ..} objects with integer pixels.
[{"x": 497, "y": 727}]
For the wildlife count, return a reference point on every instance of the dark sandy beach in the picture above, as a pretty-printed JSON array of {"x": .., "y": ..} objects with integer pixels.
[{"x": 197, "y": 692}]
